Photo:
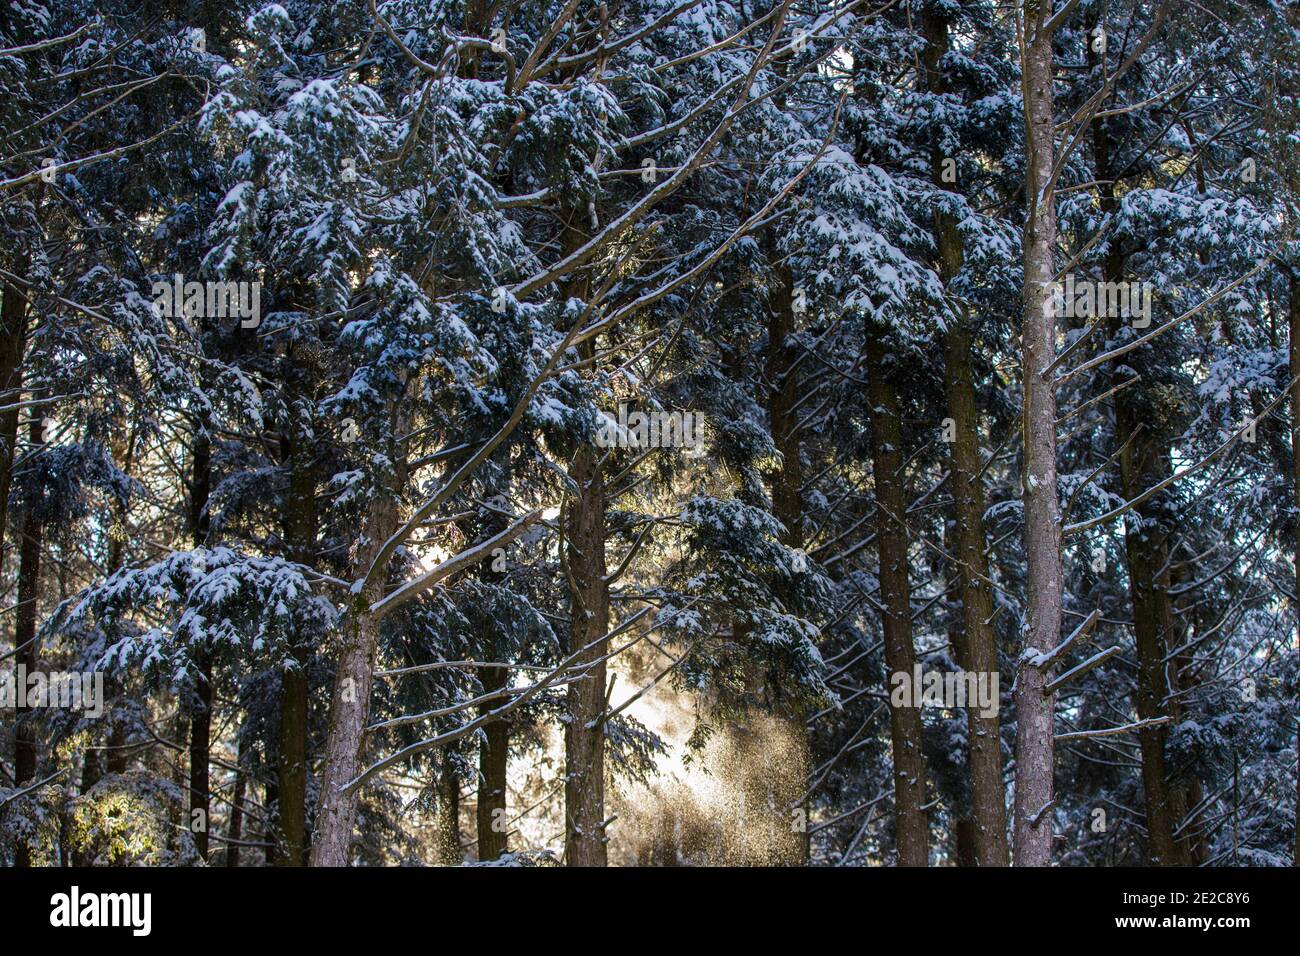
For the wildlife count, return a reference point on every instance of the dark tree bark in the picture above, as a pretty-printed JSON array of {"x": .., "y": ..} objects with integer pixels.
[
  {"x": 354, "y": 674},
  {"x": 1152, "y": 620},
  {"x": 787, "y": 482},
  {"x": 201, "y": 715},
  {"x": 911, "y": 824},
  {"x": 293, "y": 766},
  {"x": 448, "y": 797},
  {"x": 271, "y": 827},
  {"x": 235, "y": 831},
  {"x": 583, "y": 520},
  {"x": 1143, "y": 462},
  {"x": 493, "y": 764},
  {"x": 29, "y": 578},
  {"x": 786, "y": 488},
  {"x": 301, "y": 522},
  {"x": 118, "y": 755},
  {"x": 1035, "y": 741},
  {"x": 350, "y": 702},
  {"x": 13, "y": 347},
  {"x": 494, "y": 742},
  {"x": 964, "y": 832},
  {"x": 584, "y": 734},
  {"x": 977, "y": 648}
]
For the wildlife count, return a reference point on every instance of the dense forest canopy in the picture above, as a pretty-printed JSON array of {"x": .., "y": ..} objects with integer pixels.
[{"x": 659, "y": 432}]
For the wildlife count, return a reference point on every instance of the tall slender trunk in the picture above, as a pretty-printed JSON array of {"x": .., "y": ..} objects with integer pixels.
[
  {"x": 292, "y": 771},
  {"x": 300, "y": 539},
  {"x": 978, "y": 649},
  {"x": 235, "y": 831},
  {"x": 29, "y": 579},
  {"x": 13, "y": 347},
  {"x": 1144, "y": 544},
  {"x": 200, "y": 744},
  {"x": 494, "y": 742},
  {"x": 1035, "y": 744},
  {"x": 350, "y": 702},
  {"x": 200, "y": 752},
  {"x": 354, "y": 674},
  {"x": 201, "y": 715},
  {"x": 786, "y": 484},
  {"x": 584, "y": 733},
  {"x": 911, "y": 825},
  {"x": 117, "y": 756},
  {"x": 978, "y": 644},
  {"x": 1142, "y": 464},
  {"x": 787, "y": 481},
  {"x": 961, "y": 831},
  {"x": 493, "y": 764},
  {"x": 1152, "y": 614},
  {"x": 448, "y": 819}
]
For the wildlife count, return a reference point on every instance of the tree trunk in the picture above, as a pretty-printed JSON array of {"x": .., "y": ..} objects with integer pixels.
[
  {"x": 786, "y": 484},
  {"x": 117, "y": 749},
  {"x": 200, "y": 744},
  {"x": 293, "y": 764},
  {"x": 201, "y": 717},
  {"x": 583, "y": 518},
  {"x": 13, "y": 346},
  {"x": 1152, "y": 681},
  {"x": 448, "y": 826},
  {"x": 29, "y": 577},
  {"x": 1142, "y": 464},
  {"x": 965, "y": 838},
  {"x": 978, "y": 645},
  {"x": 912, "y": 827},
  {"x": 350, "y": 703},
  {"x": 494, "y": 742},
  {"x": 235, "y": 831},
  {"x": 1035, "y": 745},
  {"x": 300, "y": 539},
  {"x": 584, "y": 734},
  {"x": 493, "y": 763},
  {"x": 979, "y": 642},
  {"x": 1144, "y": 544}
]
